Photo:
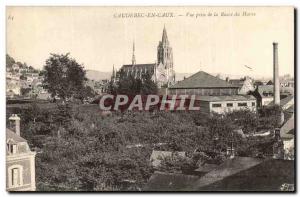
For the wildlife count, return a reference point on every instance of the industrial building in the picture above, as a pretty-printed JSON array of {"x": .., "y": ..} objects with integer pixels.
[{"x": 214, "y": 95}]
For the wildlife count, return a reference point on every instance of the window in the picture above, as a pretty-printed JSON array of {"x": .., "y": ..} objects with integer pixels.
[
  {"x": 242, "y": 104},
  {"x": 216, "y": 105},
  {"x": 12, "y": 148},
  {"x": 253, "y": 104},
  {"x": 15, "y": 175},
  {"x": 229, "y": 104}
]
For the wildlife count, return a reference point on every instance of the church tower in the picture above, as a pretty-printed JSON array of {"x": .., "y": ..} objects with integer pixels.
[
  {"x": 165, "y": 56},
  {"x": 164, "y": 51}
]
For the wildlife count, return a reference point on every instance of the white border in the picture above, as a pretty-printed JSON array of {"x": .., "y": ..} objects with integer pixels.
[{"x": 4, "y": 3}]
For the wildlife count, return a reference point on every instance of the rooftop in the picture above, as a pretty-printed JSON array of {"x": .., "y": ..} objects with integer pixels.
[
  {"x": 161, "y": 181},
  {"x": 269, "y": 89},
  {"x": 285, "y": 103},
  {"x": 140, "y": 66},
  {"x": 267, "y": 175},
  {"x": 226, "y": 98},
  {"x": 12, "y": 135},
  {"x": 202, "y": 80},
  {"x": 228, "y": 168},
  {"x": 286, "y": 131}
]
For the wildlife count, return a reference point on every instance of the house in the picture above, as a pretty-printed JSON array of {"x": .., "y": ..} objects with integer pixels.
[
  {"x": 157, "y": 156},
  {"x": 13, "y": 86},
  {"x": 265, "y": 94},
  {"x": 285, "y": 103},
  {"x": 245, "y": 84},
  {"x": 287, "y": 136},
  {"x": 20, "y": 160},
  {"x": 237, "y": 174},
  {"x": 203, "y": 84},
  {"x": 162, "y": 181},
  {"x": 225, "y": 104},
  {"x": 248, "y": 174}
]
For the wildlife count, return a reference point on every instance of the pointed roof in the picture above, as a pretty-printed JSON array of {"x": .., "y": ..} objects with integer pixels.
[
  {"x": 202, "y": 80},
  {"x": 164, "y": 36}
]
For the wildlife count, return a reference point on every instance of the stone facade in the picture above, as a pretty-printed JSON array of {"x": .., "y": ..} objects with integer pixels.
[{"x": 20, "y": 161}]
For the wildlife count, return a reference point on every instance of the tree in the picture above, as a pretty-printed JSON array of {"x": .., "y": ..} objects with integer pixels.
[
  {"x": 85, "y": 93},
  {"x": 148, "y": 85},
  {"x": 132, "y": 86},
  {"x": 9, "y": 61},
  {"x": 63, "y": 76},
  {"x": 25, "y": 91}
]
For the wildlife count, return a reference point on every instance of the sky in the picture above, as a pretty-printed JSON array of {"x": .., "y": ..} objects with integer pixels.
[{"x": 99, "y": 38}]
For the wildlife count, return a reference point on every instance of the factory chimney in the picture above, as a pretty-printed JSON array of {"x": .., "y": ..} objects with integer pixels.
[{"x": 276, "y": 74}]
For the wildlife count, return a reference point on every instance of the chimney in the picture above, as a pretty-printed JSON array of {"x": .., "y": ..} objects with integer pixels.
[
  {"x": 14, "y": 123},
  {"x": 276, "y": 74}
]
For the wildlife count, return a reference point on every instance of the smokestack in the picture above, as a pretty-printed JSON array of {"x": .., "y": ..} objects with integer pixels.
[
  {"x": 14, "y": 122},
  {"x": 276, "y": 74}
]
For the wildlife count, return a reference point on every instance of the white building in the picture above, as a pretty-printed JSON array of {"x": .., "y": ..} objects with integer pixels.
[
  {"x": 226, "y": 104},
  {"x": 20, "y": 160}
]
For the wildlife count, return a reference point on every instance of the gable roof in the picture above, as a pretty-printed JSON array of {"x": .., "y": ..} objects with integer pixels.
[
  {"x": 228, "y": 168},
  {"x": 202, "y": 80},
  {"x": 285, "y": 103},
  {"x": 285, "y": 130},
  {"x": 12, "y": 135},
  {"x": 161, "y": 181},
  {"x": 269, "y": 89},
  {"x": 268, "y": 175}
]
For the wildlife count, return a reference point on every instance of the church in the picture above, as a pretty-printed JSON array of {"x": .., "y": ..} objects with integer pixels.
[{"x": 162, "y": 72}]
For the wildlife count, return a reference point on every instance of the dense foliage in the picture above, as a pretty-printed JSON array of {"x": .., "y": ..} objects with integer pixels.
[
  {"x": 131, "y": 86},
  {"x": 79, "y": 148}
]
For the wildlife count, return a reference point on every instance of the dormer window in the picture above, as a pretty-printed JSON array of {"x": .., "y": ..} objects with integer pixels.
[{"x": 11, "y": 147}]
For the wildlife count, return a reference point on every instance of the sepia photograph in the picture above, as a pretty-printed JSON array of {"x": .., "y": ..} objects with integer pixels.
[{"x": 150, "y": 99}]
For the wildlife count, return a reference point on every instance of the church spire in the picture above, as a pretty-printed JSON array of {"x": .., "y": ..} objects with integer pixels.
[
  {"x": 133, "y": 55},
  {"x": 164, "y": 36}
]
